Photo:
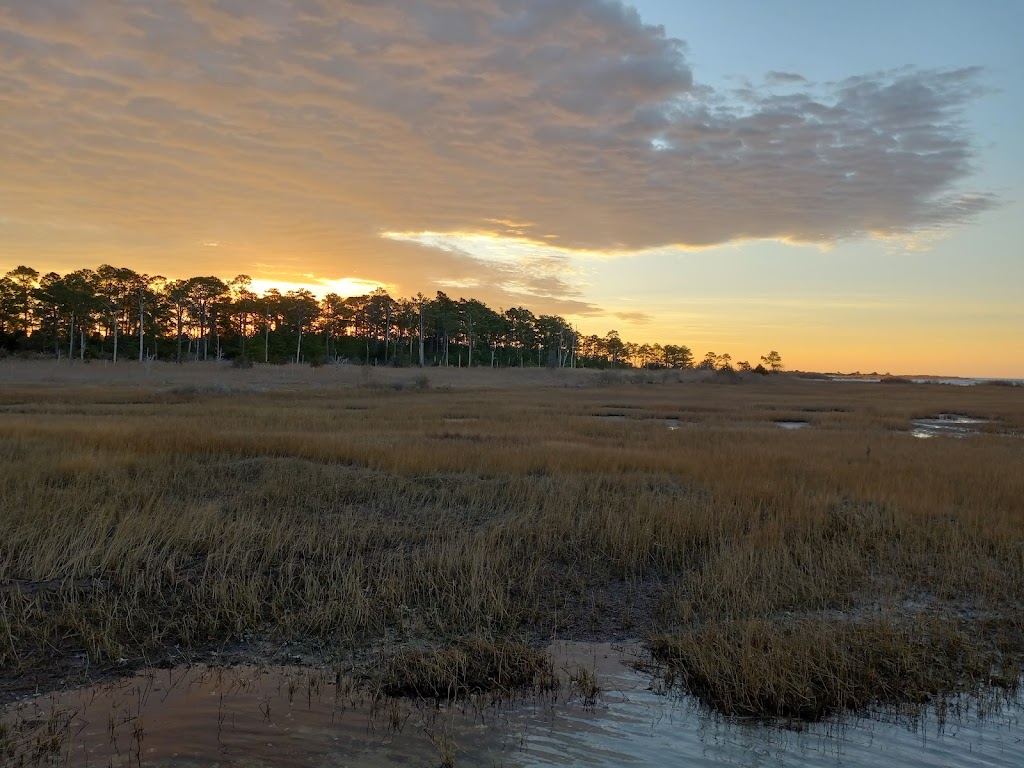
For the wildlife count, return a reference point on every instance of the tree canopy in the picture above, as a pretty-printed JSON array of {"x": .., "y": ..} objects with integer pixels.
[{"x": 115, "y": 311}]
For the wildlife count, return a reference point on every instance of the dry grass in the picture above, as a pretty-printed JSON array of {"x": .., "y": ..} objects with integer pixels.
[
  {"x": 467, "y": 668},
  {"x": 145, "y": 510},
  {"x": 811, "y": 668}
]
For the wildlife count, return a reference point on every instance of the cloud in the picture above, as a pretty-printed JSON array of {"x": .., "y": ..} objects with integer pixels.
[
  {"x": 506, "y": 270},
  {"x": 784, "y": 78},
  {"x": 302, "y": 130},
  {"x": 641, "y": 318}
]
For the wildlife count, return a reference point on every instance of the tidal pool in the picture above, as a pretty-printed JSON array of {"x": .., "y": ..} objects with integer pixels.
[
  {"x": 243, "y": 716},
  {"x": 949, "y": 424}
]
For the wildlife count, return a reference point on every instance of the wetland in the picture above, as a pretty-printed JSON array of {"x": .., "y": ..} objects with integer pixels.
[{"x": 428, "y": 540}]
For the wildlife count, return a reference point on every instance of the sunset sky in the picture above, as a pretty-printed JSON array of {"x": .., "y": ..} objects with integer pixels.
[{"x": 842, "y": 182}]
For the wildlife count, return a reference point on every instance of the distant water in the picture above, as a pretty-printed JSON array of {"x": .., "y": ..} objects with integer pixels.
[
  {"x": 950, "y": 380},
  {"x": 203, "y": 717},
  {"x": 957, "y": 382}
]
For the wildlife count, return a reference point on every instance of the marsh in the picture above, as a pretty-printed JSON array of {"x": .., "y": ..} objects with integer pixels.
[{"x": 184, "y": 514}]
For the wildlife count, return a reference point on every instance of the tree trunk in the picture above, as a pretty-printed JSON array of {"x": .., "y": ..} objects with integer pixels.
[
  {"x": 421, "y": 335},
  {"x": 71, "y": 340},
  {"x": 116, "y": 323},
  {"x": 178, "y": 360},
  {"x": 142, "y": 319}
]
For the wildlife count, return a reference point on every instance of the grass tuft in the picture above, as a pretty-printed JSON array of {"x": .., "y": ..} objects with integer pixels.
[
  {"x": 467, "y": 668},
  {"x": 813, "y": 668}
]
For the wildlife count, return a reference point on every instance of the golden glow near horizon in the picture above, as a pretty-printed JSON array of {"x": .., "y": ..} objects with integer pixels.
[
  {"x": 344, "y": 287},
  {"x": 856, "y": 211}
]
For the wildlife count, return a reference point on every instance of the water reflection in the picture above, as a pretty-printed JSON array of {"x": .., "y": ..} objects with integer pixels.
[
  {"x": 636, "y": 723},
  {"x": 949, "y": 424},
  {"x": 293, "y": 717}
]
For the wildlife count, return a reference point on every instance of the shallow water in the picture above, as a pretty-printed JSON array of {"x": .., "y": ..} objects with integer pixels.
[
  {"x": 292, "y": 717},
  {"x": 792, "y": 424},
  {"x": 948, "y": 424}
]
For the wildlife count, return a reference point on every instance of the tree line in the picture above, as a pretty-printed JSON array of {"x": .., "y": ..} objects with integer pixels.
[{"x": 116, "y": 313}]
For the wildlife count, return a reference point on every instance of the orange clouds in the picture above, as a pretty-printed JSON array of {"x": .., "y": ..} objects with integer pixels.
[{"x": 299, "y": 131}]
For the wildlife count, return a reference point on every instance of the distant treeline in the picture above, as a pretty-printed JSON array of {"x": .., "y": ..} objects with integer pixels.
[{"x": 115, "y": 313}]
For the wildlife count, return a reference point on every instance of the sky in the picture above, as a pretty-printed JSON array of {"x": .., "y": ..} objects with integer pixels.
[{"x": 841, "y": 182}]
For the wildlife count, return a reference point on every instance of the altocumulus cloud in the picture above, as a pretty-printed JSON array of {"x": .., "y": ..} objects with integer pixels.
[{"x": 319, "y": 126}]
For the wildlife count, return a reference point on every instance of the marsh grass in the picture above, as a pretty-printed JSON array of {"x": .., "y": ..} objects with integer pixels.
[
  {"x": 585, "y": 680},
  {"x": 151, "y": 514},
  {"x": 467, "y": 668},
  {"x": 811, "y": 668}
]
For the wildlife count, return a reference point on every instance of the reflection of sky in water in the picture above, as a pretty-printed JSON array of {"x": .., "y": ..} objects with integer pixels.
[
  {"x": 633, "y": 725},
  {"x": 948, "y": 424},
  {"x": 242, "y": 717}
]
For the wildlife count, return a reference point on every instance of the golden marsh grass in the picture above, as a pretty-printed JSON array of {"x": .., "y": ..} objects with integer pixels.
[{"x": 152, "y": 513}]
